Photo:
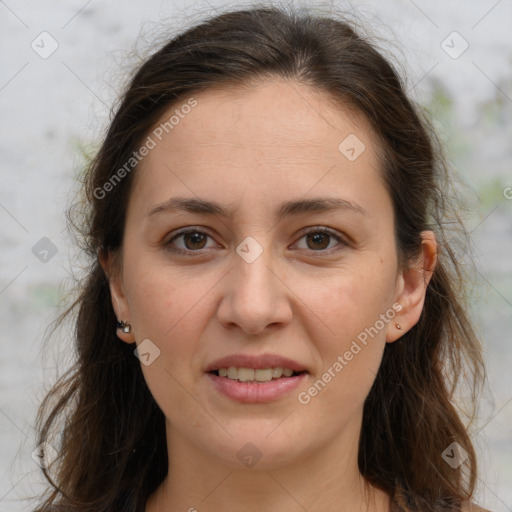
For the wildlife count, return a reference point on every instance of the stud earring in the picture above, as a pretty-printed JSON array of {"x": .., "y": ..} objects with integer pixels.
[
  {"x": 398, "y": 326},
  {"x": 124, "y": 326}
]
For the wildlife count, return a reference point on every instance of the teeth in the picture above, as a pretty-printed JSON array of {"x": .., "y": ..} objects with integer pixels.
[
  {"x": 250, "y": 374},
  {"x": 245, "y": 374},
  {"x": 263, "y": 375},
  {"x": 277, "y": 372}
]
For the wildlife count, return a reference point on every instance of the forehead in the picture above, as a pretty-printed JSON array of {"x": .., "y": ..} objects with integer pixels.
[
  {"x": 273, "y": 138},
  {"x": 272, "y": 112}
]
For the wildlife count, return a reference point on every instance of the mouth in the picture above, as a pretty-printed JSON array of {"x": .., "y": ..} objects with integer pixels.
[
  {"x": 264, "y": 366},
  {"x": 251, "y": 390},
  {"x": 252, "y": 375},
  {"x": 249, "y": 378},
  {"x": 255, "y": 379}
]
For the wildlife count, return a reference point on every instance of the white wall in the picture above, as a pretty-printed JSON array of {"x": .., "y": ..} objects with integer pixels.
[{"x": 52, "y": 106}]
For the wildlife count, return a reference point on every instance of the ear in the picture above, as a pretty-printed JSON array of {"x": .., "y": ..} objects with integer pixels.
[
  {"x": 109, "y": 261},
  {"x": 412, "y": 287}
]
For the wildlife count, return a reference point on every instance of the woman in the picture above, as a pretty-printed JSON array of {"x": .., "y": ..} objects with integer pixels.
[{"x": 272, "y": 318}]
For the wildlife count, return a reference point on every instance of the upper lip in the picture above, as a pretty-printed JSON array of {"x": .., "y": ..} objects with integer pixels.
[{"x": 257, "y": 362}]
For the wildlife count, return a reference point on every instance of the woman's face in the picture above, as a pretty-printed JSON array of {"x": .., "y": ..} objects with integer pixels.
[{"x": 256, "y": 175}]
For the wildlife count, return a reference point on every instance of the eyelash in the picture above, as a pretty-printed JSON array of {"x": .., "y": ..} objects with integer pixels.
[{"x": 190, "y": 230}]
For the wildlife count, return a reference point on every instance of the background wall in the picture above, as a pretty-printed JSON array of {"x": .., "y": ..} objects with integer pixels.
[{"x": 62, "y": 65}]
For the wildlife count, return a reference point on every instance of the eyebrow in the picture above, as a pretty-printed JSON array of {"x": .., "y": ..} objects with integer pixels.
[{"x": 286, "y": 209}]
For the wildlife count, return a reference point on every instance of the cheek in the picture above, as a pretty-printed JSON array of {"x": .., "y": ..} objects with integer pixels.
[
  {"x": 355, "y": 308},
  {"x": 167, "y": 310},
  {"x": 353, "y": 301},
  {"x": 162, "y": 302},
  {"x": 350, "y": 355}
]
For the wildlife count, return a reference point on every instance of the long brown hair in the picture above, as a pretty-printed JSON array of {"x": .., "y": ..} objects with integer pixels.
[{"x": 112, "y": 447}]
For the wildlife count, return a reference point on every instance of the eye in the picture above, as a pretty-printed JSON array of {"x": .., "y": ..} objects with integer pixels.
[
  {"x": 190, "y": 240},
  {"x": 320, "y": 239}
]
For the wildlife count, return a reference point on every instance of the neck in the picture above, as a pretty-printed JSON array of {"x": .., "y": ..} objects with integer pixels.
[{"x": 316, "y": 482}]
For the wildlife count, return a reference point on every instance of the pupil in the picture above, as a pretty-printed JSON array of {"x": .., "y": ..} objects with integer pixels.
[
  {"x": 321, "y": 239},
  {"x": 317, "y": 238},
  {"x": 196, "y": 238}
]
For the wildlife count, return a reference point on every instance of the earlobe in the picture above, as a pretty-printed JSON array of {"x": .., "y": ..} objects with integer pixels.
[
  {"x": 412, "y": 288},
  {"x": 108, "y": 262}
]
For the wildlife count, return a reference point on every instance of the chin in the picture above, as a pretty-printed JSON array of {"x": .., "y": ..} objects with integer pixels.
[{"x": 259, "y": 451}]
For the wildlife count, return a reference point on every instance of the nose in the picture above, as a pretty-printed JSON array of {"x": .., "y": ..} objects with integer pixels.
[{"x": 255, "y": 295}]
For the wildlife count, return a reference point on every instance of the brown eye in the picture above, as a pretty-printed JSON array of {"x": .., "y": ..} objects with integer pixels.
[
  {"x": 321, "y": 240},
  {"x": 191, "y": 240},
  {"x": 318, "y": 240},
  {"x": 194, "y": 240}
]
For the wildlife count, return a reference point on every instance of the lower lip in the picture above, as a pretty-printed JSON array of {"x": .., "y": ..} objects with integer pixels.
[{"x": 256, "y": 392}]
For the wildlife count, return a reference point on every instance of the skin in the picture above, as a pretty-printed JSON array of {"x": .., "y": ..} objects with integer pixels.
[{"x": 251, "y": 149}]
